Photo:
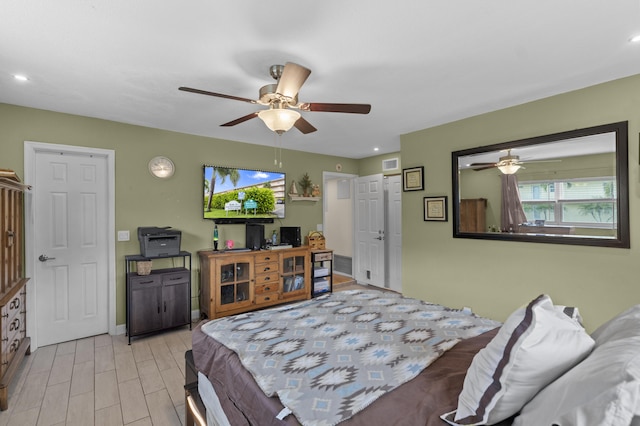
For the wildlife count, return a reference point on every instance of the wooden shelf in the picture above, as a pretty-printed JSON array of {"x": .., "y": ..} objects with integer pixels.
[{"x": 302, "y": 198}]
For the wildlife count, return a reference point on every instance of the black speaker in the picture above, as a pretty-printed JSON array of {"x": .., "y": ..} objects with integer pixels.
[
  {"x": 290, "y": 235},
  {"x": 255, "y": 236}
]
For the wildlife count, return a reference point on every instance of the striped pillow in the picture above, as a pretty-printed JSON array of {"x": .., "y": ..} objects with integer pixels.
[{"x": 535, "y": 345}]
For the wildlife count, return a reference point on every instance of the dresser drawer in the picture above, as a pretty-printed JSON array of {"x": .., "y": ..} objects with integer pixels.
[
  {"x": 266, "y": 267},
  {"x": 266, "y": 258},
  {"x": 11, "y": 309},
  {"x": 173, "y": 278},
  {"x": 145, "y": 280},
  {"x": 319, "y": 257},
  {"x": 266, "y": 288},
  {"x": 265, "y": 298},
  {"x": 273, "y": 277},
  {"x": 10, "y": 346}
]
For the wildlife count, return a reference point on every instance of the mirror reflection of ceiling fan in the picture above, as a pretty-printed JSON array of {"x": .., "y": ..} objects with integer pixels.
[
  {"x": 282, "y": 100},
  {"x": 508, "y": 164}
]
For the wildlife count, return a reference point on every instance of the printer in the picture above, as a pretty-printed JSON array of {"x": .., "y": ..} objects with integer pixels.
[{"x": 159, "y": 242}]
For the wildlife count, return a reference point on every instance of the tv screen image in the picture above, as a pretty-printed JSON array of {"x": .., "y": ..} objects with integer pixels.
[{"x": 239, "y": 195}]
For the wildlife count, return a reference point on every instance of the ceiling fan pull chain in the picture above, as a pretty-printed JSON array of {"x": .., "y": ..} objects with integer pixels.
[
  {"x": 275, "y": 149},
  {"x": 280, "y": 148}
]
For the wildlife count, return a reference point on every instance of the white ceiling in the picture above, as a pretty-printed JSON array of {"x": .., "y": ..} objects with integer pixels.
[{"x": 419, "y": 63}]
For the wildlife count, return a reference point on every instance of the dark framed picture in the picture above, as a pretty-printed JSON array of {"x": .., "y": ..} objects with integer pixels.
[
  {"x": 435, "y": 208},
  {"x": 413, "y": 179}
]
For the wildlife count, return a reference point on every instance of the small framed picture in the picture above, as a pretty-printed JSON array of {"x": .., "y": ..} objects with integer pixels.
[
  {"x": 435, "y": 208},
  {"x": 413, "y": 179}
]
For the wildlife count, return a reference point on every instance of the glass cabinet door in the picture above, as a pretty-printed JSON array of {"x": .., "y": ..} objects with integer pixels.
[
  {"x": 234, "y": 279},
  {"x": 293, "y": 273}
]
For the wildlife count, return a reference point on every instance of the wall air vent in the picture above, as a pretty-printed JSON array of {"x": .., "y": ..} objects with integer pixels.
[{"x": 389, "y": 164}]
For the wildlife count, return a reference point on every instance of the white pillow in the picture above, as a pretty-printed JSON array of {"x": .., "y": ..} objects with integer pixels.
[
  {"x": 604, "y": 389},
  {"x": 535, "y": 345},
  {"x": 622, "y": 326}
]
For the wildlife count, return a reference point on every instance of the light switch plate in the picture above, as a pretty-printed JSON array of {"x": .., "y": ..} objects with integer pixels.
[{"x": 123, "y": 235}]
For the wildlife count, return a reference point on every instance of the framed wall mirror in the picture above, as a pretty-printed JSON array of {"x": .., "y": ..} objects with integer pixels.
[{"x": 564, "y": 188}]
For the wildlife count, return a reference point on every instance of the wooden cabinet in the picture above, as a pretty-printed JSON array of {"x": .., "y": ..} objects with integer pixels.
[
  {"x": 235, "y": 282},
  {"x": 473, "y": 215},
  {"x": 14, "y": 342},
  {"x": 159, "y": 300},
  {"x": 322, "y": 272}
]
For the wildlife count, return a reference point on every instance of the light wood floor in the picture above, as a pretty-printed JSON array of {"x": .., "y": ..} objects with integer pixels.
[{"x": 104, "y": 381}]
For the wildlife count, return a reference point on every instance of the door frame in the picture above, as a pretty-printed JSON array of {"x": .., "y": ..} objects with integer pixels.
[{"x": 30, "y": 150}]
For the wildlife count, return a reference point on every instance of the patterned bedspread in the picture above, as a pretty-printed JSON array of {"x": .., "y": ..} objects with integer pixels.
[{"x": 330, "y": 357}]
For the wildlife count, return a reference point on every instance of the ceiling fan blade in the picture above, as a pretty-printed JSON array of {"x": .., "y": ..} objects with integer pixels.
[
  {"x": 541, "y": 161},
  {"x": 349, "y": 108},
  {"x": 477, "y": 169},
  {"x": 304, "y": 126},
  {"x": 218, "y": 95},
  {"x": 292, "y": 78},
  {"x": 240, "y": 120},
  {"x": 482, "y": 164}
]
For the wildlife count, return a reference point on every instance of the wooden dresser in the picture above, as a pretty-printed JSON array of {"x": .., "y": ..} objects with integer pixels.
[
  {"x": 473, "y": 215},
  {"x": 14, "y": 343},
  {"x": 233, "y": 282}
]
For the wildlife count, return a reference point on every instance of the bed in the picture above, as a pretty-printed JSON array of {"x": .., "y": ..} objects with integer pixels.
[{"x": 483, "y": 354}]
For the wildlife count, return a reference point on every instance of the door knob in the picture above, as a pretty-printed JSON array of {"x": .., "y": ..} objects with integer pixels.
[{"x": 44, "y": 258}]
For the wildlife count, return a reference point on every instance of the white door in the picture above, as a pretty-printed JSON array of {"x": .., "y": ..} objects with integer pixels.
[
  {"x": 70, "y": 269},
  {"x": 370, "y": 233},
  {"x": 394, "y": 232}
]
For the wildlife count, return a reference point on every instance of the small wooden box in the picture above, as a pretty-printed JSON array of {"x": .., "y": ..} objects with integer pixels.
[{"x": 315, "y": 240}]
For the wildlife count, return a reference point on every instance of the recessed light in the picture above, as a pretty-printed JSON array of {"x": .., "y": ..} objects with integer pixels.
[
  {"x": 20, "y": 77},
  {"x": 376, "y": 149},
  {"x": 635, "y": 39}
]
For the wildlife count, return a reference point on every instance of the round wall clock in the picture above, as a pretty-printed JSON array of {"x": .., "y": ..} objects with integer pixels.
[
  {"x": 161, "y": 167},
  {"x": 338, "y": 167}
]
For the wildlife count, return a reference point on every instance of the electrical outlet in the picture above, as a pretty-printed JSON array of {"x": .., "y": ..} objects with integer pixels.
[{"x": 123, "y": 235}]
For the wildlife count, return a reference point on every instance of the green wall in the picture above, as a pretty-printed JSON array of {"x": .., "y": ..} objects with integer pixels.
[
  {"x": 495, "y": 277},
  {"x": 141, "y": 199},
  {"x": 492, "y": 277}
]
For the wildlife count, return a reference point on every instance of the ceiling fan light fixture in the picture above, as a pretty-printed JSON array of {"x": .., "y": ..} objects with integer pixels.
[
  {"x": 509, "y": 169},
  {"x": 279, "y": 120}
]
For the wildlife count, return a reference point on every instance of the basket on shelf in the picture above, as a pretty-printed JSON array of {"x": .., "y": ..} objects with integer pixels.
[
  {"x": 143, "y": 267},
  {"x": 315, "y": 240}
]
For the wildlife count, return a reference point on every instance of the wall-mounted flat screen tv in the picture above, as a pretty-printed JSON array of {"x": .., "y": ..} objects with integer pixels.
[{"x": 237, "y": 195}]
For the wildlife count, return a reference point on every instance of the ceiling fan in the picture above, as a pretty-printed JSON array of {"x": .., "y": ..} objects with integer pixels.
[
  {"x": 282, "y": 100},
  {"x": 508, "y": 164}
]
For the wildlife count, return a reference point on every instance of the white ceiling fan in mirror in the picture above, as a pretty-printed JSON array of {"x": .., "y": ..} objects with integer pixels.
[
  {"x": 510, "y": 160},
  {"x": 508, "y": 164}
]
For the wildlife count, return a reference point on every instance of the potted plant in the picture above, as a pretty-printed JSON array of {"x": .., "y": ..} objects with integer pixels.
[{"x": 305, "y": 184}]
